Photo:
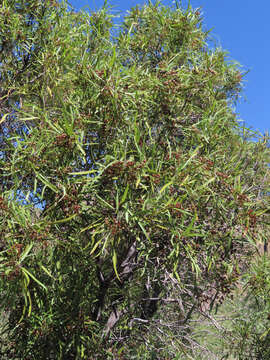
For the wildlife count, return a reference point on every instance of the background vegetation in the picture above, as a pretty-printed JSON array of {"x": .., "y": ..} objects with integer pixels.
[{"x": 131, "y": 198}]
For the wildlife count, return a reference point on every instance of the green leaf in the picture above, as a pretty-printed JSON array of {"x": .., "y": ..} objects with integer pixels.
[
  {"x": 194, "y": 153},
  {"x": 87, "y": 172},
  {"x": 27, "y": 272},
  {"x": 65, "y": 219},
  {"x": 165, "y": 187},
  {"x": 114, "y": 259},
  {"x": 4, "y": 118},
  {"x": 143, "y": 229},
  {"x": 104, "y": 202},
  {"x": 46, "y": 182},
  {"x": 124, "y": 195},
  {"x": 95, "y": 247},
  {"x": 46, "y": 270},
  {"x": 25, "y": 252}
]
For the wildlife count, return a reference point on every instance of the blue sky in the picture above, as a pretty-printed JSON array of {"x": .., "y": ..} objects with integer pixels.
[{"x": 242, "y": 28}]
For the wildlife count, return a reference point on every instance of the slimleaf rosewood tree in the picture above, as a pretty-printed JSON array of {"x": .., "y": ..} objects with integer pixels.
[{"x": 130, "y": 196}]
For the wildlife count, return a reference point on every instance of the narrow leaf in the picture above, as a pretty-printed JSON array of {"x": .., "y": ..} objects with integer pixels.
[
  {"x": 25, "y": 271},
  {"x": 114, "y": 259},
  {"x": 124, "y": 195}
]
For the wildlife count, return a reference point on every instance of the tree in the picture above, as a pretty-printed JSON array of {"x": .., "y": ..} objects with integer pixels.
[{"x": 130, "y": 195}]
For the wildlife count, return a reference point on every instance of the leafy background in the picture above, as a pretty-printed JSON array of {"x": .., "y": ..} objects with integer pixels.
[{"x": 241, "y": 28}]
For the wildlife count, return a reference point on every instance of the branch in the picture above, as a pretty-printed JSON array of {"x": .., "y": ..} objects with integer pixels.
[{"x": 105, "y": 283}]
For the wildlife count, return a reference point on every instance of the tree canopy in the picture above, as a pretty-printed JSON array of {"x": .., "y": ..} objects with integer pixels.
[{"x": 131, "y": 197}]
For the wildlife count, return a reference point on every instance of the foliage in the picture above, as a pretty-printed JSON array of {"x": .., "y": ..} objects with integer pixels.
[
  {"x": 240, "y": 328},
  {"x": 251, "y": 328},
  {"x": 131, "y": 198}
]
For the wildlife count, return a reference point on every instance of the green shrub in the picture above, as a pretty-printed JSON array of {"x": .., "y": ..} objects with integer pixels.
[{"x": 130, "y": 196}]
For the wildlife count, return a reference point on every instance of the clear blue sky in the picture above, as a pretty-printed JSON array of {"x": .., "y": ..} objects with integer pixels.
[{"x": 242, "y": 28}]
